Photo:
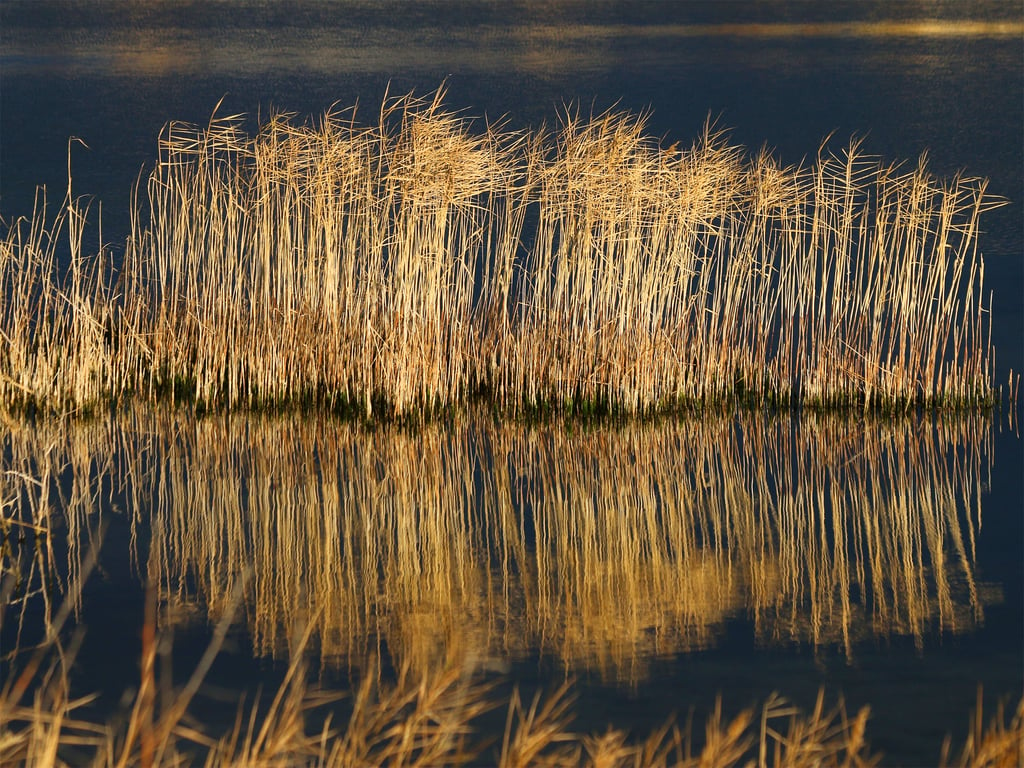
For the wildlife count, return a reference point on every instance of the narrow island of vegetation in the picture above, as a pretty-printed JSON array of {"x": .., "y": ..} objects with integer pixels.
[
  {"x": 421, "y": 263},
  {"x": 413, "y": 264}
]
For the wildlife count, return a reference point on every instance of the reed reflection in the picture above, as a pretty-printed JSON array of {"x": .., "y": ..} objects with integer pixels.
[
  {"x": 475, "y": 544},
  {"x": 480, "y": 543}
]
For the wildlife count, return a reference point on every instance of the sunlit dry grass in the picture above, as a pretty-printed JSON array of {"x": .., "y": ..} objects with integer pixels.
[
  {"x": 429, "y": 720},
  {"x": 1000, "y": 744},
  {"x": 420, "y": 259}
]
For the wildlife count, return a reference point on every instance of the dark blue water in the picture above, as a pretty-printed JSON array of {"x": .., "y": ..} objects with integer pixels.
[{"x": 784, "y": 75}]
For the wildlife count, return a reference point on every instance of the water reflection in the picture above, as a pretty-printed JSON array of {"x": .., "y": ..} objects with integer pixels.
[
  {"x": 366, "y": 36},
  {"x": 476, "y": 543}
]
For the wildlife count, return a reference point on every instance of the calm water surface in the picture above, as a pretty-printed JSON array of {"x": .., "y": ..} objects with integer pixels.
[{"x": 735, "y": 556}]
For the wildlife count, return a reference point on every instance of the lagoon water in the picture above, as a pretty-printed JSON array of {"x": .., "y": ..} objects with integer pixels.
[{"x": 659, "y": 564}]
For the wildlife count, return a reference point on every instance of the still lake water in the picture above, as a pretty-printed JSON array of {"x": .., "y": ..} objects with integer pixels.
[{"x": 737, "y": 556}]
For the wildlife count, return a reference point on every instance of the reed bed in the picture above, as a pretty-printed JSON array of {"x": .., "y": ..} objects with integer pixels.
[{"x": 421, "y": 260}]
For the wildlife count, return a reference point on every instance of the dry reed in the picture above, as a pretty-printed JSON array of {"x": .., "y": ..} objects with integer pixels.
[
  {"x": 419, "y": 261},
  {"x": 433, "y": 720}
]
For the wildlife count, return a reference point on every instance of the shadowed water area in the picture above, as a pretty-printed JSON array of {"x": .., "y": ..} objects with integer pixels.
[{"x": 658, "y": 563}]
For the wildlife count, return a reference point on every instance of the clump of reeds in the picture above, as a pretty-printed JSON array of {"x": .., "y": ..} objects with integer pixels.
[
  {"x": 56, "y": 352},
  {"x": 422, "y": 721},
  {"x": 1000, "y": 745},
  {"x": 420, "y": 260},
  {"x": 417, "y": 721}
]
